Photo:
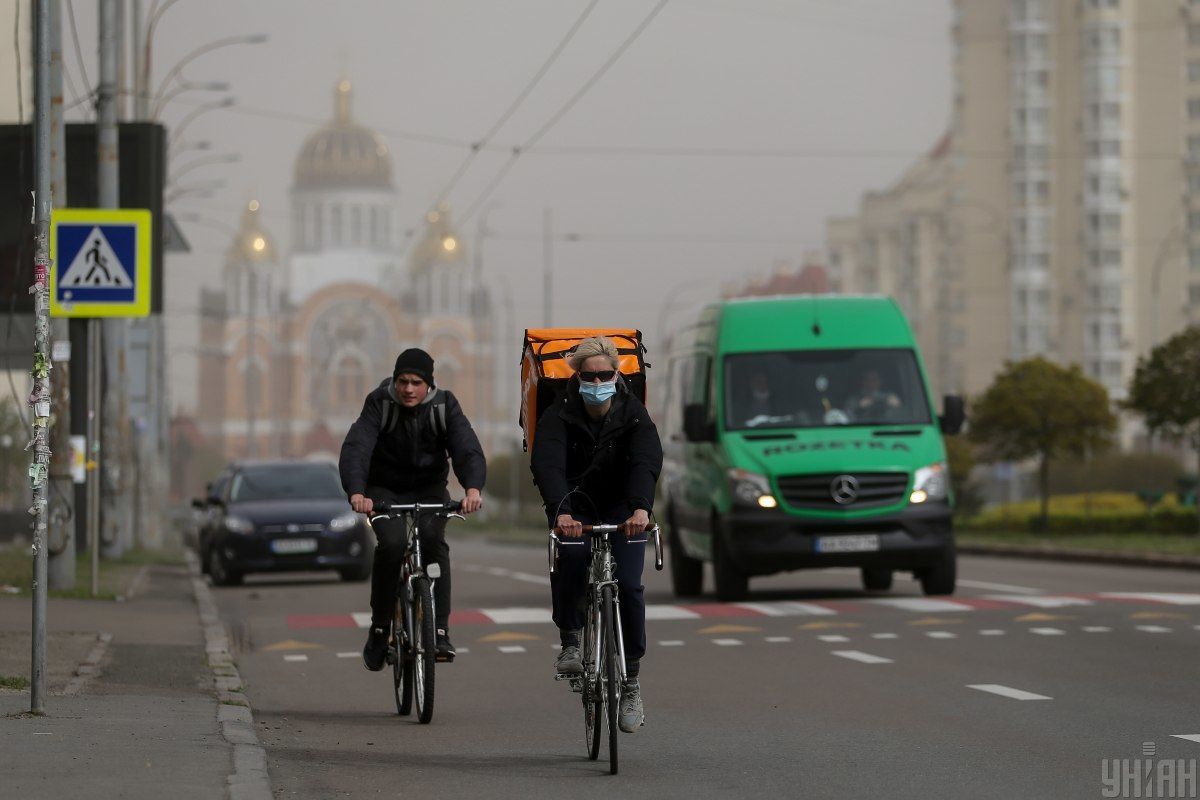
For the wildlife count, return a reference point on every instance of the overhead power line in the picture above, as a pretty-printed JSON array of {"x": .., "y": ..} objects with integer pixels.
[{"x": 562, "y": 111}]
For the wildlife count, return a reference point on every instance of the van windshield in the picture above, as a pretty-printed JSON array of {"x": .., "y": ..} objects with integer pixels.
[{"x": 822, "y": 388}]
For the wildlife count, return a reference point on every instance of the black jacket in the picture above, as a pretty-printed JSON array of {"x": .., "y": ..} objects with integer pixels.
[
  {"x": 412, "y": 455},
  {"x": 617, "y": 470}
]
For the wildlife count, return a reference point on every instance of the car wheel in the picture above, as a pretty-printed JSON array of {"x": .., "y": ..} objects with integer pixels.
[
  {"x": 876, "y": 579},
  {"x": 220, "y": 573},
  {"x": 687, "y": 573},
  {"x": 731, "y": 584},
  {"x": 940, "y": 579},
  {"x": 356, "y": 574}
]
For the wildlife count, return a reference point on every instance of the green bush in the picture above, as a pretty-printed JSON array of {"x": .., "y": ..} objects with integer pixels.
[{"x": 1110, "y": 512}]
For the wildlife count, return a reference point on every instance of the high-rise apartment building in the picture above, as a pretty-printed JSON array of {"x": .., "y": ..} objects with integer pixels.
[{"x": 1072, "y": 217}]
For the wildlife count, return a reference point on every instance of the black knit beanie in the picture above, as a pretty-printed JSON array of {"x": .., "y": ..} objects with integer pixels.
[{"x": 416, "y": 361}]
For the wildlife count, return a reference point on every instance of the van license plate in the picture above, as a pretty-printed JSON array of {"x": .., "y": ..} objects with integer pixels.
[
  {"x": 293, "y": 546},
  {"x": 858, "y": 543}
]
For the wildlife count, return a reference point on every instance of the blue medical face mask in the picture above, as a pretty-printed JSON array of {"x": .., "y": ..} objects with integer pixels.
[{"x": 597, "y": 394}]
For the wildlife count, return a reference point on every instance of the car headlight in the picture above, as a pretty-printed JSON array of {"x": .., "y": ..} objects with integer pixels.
[
  {"x": 236, "y": 524},
  {"x": 751, "y": 489},
  {"x": 344, "y": 522},
  {"x": 931, "y": 483}
]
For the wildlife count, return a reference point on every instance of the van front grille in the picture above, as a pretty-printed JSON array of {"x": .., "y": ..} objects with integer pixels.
[{"x": 843, "y": 490}]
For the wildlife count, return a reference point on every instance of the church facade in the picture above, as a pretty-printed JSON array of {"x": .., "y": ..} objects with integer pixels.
[{"x": 303, "y": 328}]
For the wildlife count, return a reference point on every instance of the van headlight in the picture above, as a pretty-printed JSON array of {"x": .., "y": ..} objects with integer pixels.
[
  {"x": 931, "y": 483},
  {"x": 751, "y": 489},
  {"x": 344, "y": 522},
  {"x": 236, "y": 524}
]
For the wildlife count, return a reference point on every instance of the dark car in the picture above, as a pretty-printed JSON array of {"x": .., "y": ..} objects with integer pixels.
[{"x": 279, "y": 516}]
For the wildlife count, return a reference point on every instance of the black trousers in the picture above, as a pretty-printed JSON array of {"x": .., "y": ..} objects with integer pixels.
[
  {"x": 389, "y": 554},
  {"x": 569, "y": 582}
]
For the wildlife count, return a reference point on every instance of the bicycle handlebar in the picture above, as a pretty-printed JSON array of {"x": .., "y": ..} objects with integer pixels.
[
  {"x": 652, "y": 532},
  {"x": 382, "y": 508}
]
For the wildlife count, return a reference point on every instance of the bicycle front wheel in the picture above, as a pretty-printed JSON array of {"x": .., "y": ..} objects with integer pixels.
[
  {"x": 591, "y": 649},
  {"x": 402, "y": 666},
  {"x": 424, "y": 648},
  {"x": 612, "y": 673}
]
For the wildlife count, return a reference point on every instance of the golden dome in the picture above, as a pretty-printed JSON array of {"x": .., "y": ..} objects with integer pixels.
[
  {"x": 343, "y": 154},
  {"x": 252, "y": 245}
]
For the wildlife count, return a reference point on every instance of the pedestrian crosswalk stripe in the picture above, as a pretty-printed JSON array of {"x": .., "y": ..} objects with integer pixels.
[
  {"x": 778, "y": 639},
  {"x": 1007, "y": 691},
  {"x": 941, "y": 635},
  {"x": 1047, "y": 631},
  {"x": 671, "y": 643},
  {"x": 295, "y": 657},
  {"x": 834, "y": 638},
  {"x": 991, "y": 632},
  {"x": 1096, "y": 629},
  {"x": 727, "y": 642},
  {"x": 512, "y": 648},
  {"x": 864, "y": 658},
  {"x": 1153, "y": 629}
]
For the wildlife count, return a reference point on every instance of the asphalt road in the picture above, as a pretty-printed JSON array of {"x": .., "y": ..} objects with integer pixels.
[{"x": 1020, "y": 686}]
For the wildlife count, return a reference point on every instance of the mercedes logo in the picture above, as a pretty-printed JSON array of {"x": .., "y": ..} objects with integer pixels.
[
  {"x": 294, "y": 528},
  {"x": 844, "y": 489}
]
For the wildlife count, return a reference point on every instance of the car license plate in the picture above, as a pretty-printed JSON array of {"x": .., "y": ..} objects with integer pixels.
[
  {"x": 856, "y": 543},
  {"x": 293, "y": 546}
]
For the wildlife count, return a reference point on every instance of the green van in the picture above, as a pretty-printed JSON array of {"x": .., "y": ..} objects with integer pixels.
[{"x": 799, "y": 433}]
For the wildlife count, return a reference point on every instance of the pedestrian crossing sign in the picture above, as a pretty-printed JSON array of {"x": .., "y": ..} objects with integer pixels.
[{"x": 100, "y": 262}]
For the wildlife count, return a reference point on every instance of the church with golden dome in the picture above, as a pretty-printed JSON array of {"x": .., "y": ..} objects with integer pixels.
[{"x": 306, "y": 325}]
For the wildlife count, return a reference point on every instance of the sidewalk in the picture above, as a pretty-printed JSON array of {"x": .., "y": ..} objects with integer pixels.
[{"x": 141, "y": 723}]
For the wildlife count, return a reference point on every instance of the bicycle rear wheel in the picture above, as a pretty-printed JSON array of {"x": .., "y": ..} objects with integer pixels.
[
  {"x": 424, "y": 648},
  {"x": 593, "y": 696},
  {"x": 402, "y": 668},
  {"x": 612, "y": 673}
]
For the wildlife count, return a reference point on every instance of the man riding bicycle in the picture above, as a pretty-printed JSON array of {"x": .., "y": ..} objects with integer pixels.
[
  {"x": 596, "y": 460},
  {"x": 399, "y": 450}
]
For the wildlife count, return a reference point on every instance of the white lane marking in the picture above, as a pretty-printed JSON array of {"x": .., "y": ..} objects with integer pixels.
[
  {"x": 778, "y": 639},
  {"x": 515, "y": 616},
  {"x": 727, "y": 642},
  {"x": 941, "y": 635},
  {"x": 463, "y": 650},
  {"x": 921, "y": 604},
  {"x": 786, "y": 608},
  {"x": 1191, "y": 737},
  {"x": 1097, "y": 629},
  {"x": 1047, "y": 631},
  {"x": 833, "y": 638},
  {"x": 499, "y": 572},
  {"x": 885, "y": 636},
  {"x": 1045, "y": 601},
  {"x": 1153, "y": 629},
  {"x": 362, "y": 619},
  {"x": 670, "y": 612},
  {"x": 671, "y": 643},
  {"x": 1159, "y": 597},
  {"x": 295, "y": 658},
  {"x": 1007, "y": 691},
  {"x": 997, "y": 587},
  {"x": 864, "y": 658},
  {"x": 512, "y": 648},
  {"x": 991, "y": 632},
  {"x": 348, "y": 655},
  {"x": 540, "y": 580}
]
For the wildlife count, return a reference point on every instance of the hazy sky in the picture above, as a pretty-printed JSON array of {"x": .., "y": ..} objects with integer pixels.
[{"x": 851, "y": 89}]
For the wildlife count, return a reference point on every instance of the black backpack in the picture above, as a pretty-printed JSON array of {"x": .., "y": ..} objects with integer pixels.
[{"x": 389, "y": 415}]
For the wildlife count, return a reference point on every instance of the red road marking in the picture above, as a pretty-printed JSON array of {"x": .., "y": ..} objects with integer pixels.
[{"x": 469, "y": 618}]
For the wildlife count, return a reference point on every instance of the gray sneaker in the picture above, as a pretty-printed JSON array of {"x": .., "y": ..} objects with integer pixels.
[
  {"x": 569, "y": 661},
  {"x": 633, "y": 715}
]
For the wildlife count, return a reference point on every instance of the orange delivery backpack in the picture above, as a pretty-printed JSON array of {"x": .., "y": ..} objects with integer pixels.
[{"x": 545, "y": 372}]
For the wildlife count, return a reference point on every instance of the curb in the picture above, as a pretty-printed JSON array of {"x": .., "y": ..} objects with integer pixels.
[
  {"x": 249, "y": 779},
  {"x": 1081, "y": 556}
]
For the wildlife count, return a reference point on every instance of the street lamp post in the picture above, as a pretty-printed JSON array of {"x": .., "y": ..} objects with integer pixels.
[
  {"x": 224, "y": 102},
  {"x": 203, "y": 161},
  {"x": 156, "y": 99}
]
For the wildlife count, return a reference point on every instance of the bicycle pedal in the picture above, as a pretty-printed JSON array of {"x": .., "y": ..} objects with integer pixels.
[{"x": 442, "y": 658}]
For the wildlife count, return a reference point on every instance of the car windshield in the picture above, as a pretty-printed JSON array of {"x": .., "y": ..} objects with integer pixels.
[
  {"x": 822, "y": 388},
  {"x": 301, "y": 482}
]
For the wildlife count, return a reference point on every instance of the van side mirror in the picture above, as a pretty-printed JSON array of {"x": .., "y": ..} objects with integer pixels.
[
  {"x": 197, "y": 504},
  {"x": 696, "y": 427},
  {"x": 954, "y": 414}
]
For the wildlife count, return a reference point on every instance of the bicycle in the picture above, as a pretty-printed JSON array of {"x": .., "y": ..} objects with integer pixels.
[
  {"x": 412, "y": 641},
  {"x": 602, "y": 647}
]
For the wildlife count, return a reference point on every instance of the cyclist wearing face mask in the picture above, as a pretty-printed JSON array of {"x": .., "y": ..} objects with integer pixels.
[{"x": 596, "y": 459}]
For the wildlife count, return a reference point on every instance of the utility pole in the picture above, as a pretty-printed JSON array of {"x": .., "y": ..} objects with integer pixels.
[
  {"x": 61, "y": 541},
  {"x": 547, "y": 268},
  {"x": 252, "y": 375},
  {"x": 39, "y": 468},
  {"x": 115, "y": 474}
]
